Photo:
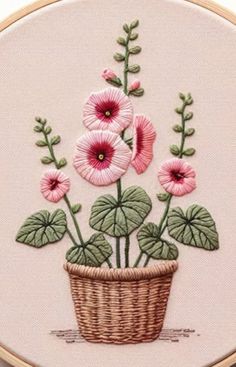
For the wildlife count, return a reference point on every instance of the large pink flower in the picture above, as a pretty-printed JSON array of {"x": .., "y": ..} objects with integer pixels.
[
  {"x": 144, "y": 137},
  {"x": 177, "y": 177},
  {"x": 109, "y": 109},
  {"x": 101, "y": 157},
  {"x": 54, "y": 185}
]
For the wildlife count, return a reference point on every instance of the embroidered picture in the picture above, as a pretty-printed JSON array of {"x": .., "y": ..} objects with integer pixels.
[{"x": 120, "y": 299}]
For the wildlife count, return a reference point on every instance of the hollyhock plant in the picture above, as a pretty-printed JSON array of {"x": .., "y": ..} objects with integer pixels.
[
  {"x": 101, "y": 157},
  {"x": 109, "y": 109},
  {"x": 177, "y": 177},
  {"x": 143, "y": 140},
  {"x": 54, "y": 185}
]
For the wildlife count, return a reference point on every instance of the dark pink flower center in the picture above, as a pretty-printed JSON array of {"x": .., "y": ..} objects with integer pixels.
[
  {"x": 139, "y": 143},
  {"x": 107, "y": 110},
  {"x": 100, "y": 155},
  {"x": 177, "y": 176},
  {"x": 53, "y": 184}
]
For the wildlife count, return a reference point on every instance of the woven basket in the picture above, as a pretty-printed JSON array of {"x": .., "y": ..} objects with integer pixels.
[{"x": 120, "y": 306}]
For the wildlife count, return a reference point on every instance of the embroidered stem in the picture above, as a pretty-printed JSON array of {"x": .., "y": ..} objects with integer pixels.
[
  {"x": 126, "y": 66},
  {"x": 137, "y": 262},
  {"x": 109, "y": 263},
  {"x": 46, "y": 130},
  {"x": 127, "y": 246},
  {"x": 118, "y": 259},
  {"x": 71, "y": 237}
]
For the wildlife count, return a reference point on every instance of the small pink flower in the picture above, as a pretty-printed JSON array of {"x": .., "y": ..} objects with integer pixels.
[
  {"x": 177, "y": 177},
  {"x": 144, "y": 137},
  {"x": 54, "y": 185},
  {"x": 108, "y": 74},
  {"x": 135, "y": 85},
  {"x": 109, "y": 109},
  {"x": 101, "y": 157}
]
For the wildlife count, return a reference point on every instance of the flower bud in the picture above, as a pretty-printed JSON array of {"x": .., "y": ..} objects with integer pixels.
[
  {"x": 135, "y": 85},
  {"x": 108, "y": 74}
]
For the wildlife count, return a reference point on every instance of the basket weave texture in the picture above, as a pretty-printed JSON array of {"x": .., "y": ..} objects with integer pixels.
[{"x": 120, "y": 306}]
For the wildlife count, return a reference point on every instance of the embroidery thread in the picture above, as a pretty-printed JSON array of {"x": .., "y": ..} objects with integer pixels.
[{"x": 136, "y": 294}]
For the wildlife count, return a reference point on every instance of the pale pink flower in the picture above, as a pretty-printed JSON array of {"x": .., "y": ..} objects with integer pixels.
[
  {"x": 135, "y": 85},
  {"x": 109, "y": 109},
  {"x": 54, "y": 185},
  {"x": 177, "y": 177},
  {"x": 144, "y": 137},
  {"x": 108, "y": 74},
  {"x": 101, "y": 157}
]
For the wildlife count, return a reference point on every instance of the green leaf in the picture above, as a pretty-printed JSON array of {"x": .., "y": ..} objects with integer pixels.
[
  {"x": 189, "y": 131},
  {"x": 135, "y": 50},
  {"x": 121, "y": 41},
  {"x": 62, "y": 162},
  {"x": 163, "y": 196},
  {"x": 195, "y": 228},
  {"x": 116, "y": 82},
  {"x": 178, "y": 128},
  {"x": 76, "y": 208},
  {"x": 46, "y": 160},
  {"x": 119, "y": 57},
  {"x": 41, "y": 143},
  {"x": 94, "y": 252},
  {"x": 188, "y": 116},
  {"x": 126, "y": 28},
  {"x": 38, "y": 129},
  {"x": 137, "y": 92},
  {"x": 133, "y": 36},
  {"x": 182, "y": 96},
  {"x": 151, "y": 244},
  {"x": 189, "y": 99},
  {"x": 134, "y": 68},
  {"x": 43, "y": 228},
  {"x": 189, "y": 152},
  {"x": 134, "y": 24},
  {"x": 179, "y": 110},
  {"x": 48, "y": 130},
  {"x": 119, "y": 219},
  {"x": 174, "y": 149},
  {"x": 55, "y": 140}
]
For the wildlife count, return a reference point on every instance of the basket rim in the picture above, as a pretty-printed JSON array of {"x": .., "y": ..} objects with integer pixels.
[{"x": 124, "y": 274}]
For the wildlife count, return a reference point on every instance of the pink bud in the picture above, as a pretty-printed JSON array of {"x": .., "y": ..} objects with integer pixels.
[
  {"x": 135, "y": 85},
  {"x": 108, "y": 74}
]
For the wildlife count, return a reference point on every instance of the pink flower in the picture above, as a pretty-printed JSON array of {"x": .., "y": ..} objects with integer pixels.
[
  {"x": 101, "y": 157},
  {"x": 144, "y": 137},
  {"x": 54, "y": 185},
  {"x": 135, "y": 85},
  {"x": 109, "y": 109},
  {"x": 108, "y": 74},
  {"x": 177, "y": 177}
]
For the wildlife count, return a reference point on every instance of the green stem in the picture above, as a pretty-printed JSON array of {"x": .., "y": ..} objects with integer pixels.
[
  {"x": 126, "y": 66},
  {"x": 109, "y": 263},
  {"x": 183, "y": 136},
  {"x": 118, "y": 259},
  {"x": 66, "y": 199},
  {"x": 71, "y": 237},
  {"x": 127, "y": 246},
  {"x": 147, "y": 261},
  {"x": 136, "y": 264}
]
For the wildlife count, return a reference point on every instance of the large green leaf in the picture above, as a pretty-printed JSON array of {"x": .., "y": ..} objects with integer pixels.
[
  {"x": 94, "y": 253},
  {"x": 195, "y": 228},
  {"x": 43, "y": 228},
  {"x": 151, "y": 244},
  {"x": 119, "y": 219}
]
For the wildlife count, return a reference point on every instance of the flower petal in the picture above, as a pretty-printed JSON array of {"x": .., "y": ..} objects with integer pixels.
[{"x": 144, "y": 137}]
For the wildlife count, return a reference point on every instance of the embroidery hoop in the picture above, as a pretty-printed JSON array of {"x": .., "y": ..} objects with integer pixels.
[{"x": 5, "y": 354}]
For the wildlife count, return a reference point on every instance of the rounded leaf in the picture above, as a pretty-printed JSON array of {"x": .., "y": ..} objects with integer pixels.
[
  {"x": 178, "y": 128},
  {"x": 119, "y": 57},
  {"x": 134, "y": 24},
  {"x": 133, "y": 36},
  {"x": 119, "y": 219},
  {"x": 134, "y": 68},
  {"x": 135, "y": 50},
  {"x": 41, "y": 143},
  {"x": 195, "y": 228},
  {"x": 43, "y": 228},
  {"x": 137, "y": 92},
  {"x": 121, "y": 41},
  {"x": 151, "y": 244},
  {"x": 55, "y": 140},
  {"x": 46, "y": 160},
  {"x": 190, "y": 131},
  {"x": 174, "y": 149},
  {"x": 189, "y": 152}
]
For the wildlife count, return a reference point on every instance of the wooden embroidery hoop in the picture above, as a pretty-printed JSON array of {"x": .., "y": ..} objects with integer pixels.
[{"x": 9, "y": 356}]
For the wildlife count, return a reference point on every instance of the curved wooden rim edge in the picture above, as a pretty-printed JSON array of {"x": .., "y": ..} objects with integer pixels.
[{"x": 5, "y": 354}]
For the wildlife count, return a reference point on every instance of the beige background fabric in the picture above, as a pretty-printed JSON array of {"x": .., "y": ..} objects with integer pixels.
[{"x": 50, "y": 62}]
